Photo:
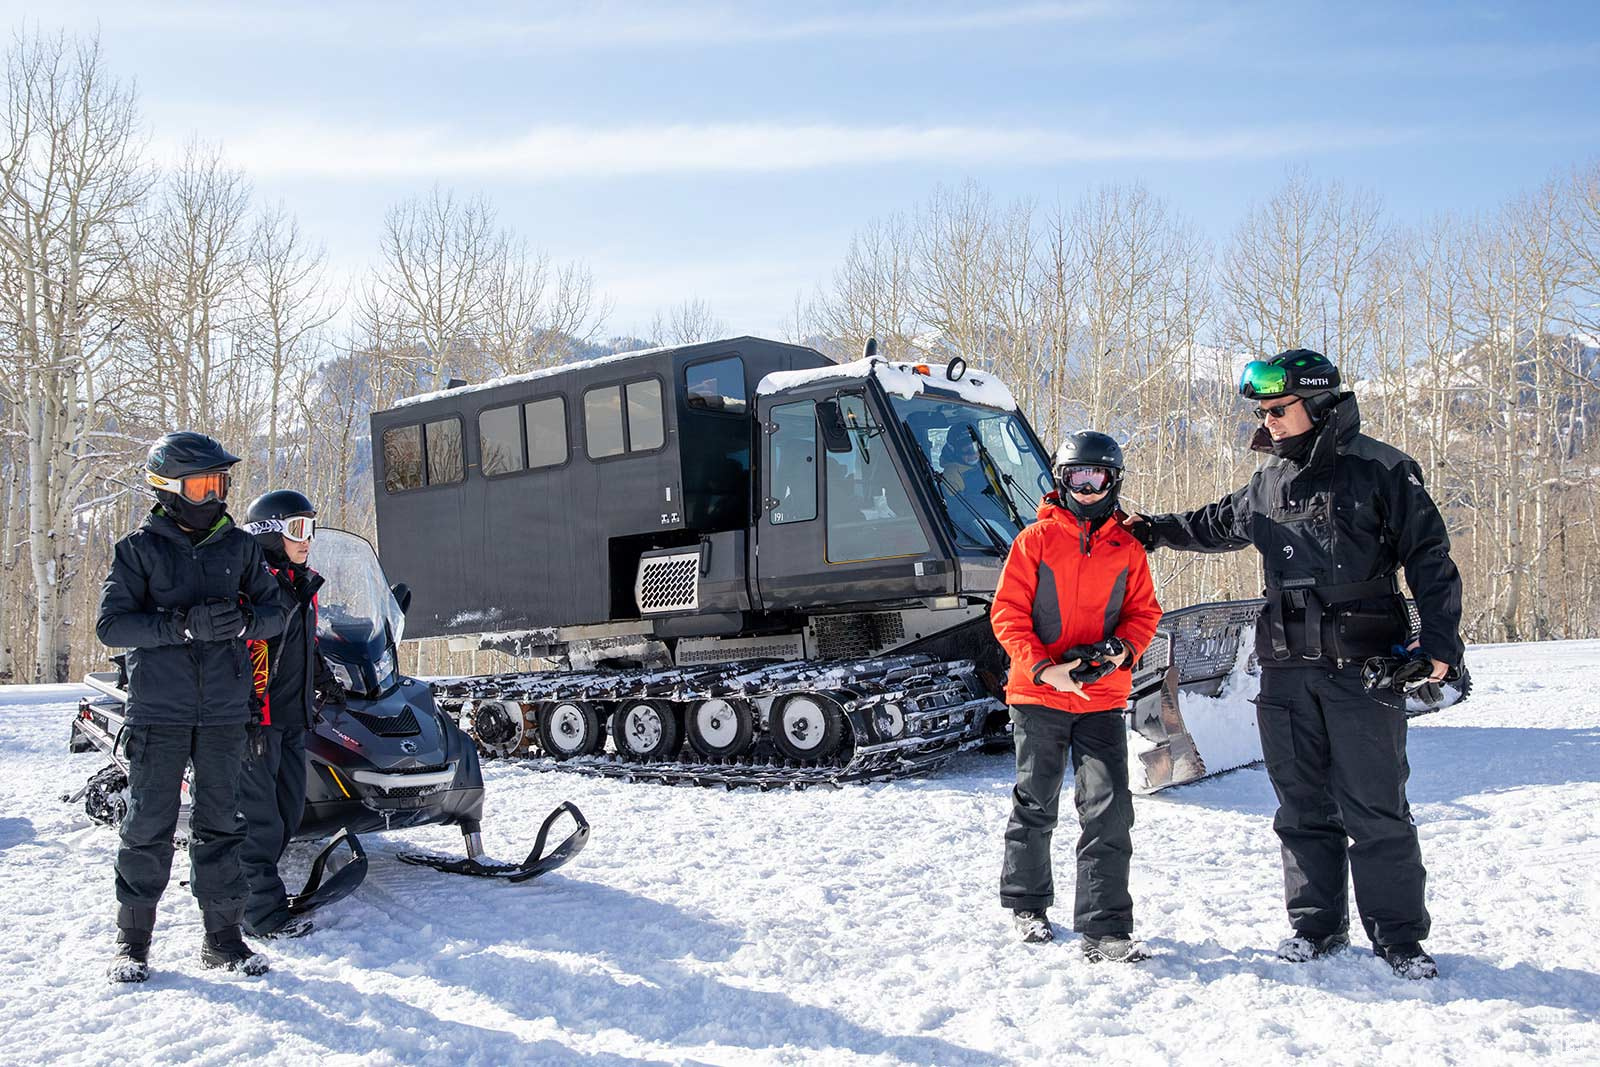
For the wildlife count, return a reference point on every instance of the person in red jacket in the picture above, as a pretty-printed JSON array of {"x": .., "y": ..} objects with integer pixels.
[{"x": 1074, "y": 610}]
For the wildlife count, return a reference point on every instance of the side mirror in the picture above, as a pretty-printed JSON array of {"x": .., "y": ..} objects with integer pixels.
[
  {"x": 835, "y": 434},
  {"x": 402, "y": 596}
]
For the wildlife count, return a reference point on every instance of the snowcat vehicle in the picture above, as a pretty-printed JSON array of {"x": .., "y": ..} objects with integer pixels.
[
  {"x": 386, "y": 759},
  {"x": 744, "y": 563}
]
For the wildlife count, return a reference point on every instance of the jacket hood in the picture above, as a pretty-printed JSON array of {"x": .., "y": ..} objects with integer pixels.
[{"x": 1338, "y": 428}]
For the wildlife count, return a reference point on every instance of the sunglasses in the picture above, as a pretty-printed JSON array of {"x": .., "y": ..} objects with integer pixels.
[
  {"x": 195, "y": 488},
  {"x": 1088, "y": 479},
  {"x": 1276, "y": 411},
  {"x": 294, "y": 528}
]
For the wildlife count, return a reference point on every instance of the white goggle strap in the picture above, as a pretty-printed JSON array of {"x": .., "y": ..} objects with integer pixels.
[{"x": 295, "y": 528}]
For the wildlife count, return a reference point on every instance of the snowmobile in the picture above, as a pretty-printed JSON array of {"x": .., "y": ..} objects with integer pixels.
[{"x": 385, "y": 759}]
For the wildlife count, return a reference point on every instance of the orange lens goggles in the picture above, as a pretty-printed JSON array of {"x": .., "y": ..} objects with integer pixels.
[{"x": 212, "y": 485}]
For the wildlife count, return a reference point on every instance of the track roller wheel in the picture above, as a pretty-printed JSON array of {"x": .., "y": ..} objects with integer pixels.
[
  {"x": 720, "y": 729},
  {"x": 645, "y": 730},
  {"x": 569, "y": 728},
  {"x": 499, "y": 727},
  {"x": 807, "y": 727}
]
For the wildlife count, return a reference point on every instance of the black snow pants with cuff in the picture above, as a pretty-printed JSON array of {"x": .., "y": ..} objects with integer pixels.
[
  {"x": 1336, "y": 755},
  {"x": 157, "y": 756},
  {"x": 1096, "y": 743},
  {"x": 272, "y": 798}
]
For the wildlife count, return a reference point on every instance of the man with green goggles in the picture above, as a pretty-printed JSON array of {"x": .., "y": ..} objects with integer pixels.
[{"x": 1335, "y": 515}]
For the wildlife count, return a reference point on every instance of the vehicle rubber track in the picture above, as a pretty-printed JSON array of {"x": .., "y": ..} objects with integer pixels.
[{"x": 896, "y": 715}]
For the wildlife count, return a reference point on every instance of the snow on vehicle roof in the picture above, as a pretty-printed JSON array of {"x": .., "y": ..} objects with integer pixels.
[
  {"x": 899, "y": 379},
  {"x": 549, "y": 372}
]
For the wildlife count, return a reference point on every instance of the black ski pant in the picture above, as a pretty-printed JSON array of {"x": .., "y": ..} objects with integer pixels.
[
  {"x": 1096, "y": 743},
  {"x": 272, "y": 797},
  {"x": 1336, "y": 755},
  {"x": 157, "y": 756}
]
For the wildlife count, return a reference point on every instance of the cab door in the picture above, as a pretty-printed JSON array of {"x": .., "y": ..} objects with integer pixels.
[{"x": 836, "y": 524}]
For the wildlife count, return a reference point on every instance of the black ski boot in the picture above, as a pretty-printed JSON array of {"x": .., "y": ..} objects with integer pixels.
[
  {"x": 1114, "y": 948},
  {"x": 1033, "y": 926},
  {"x": 1407, "y": 960},
  {"x": 132, "y": 961},
  {"x": 1303, "y": 948},
  {"x": 224, "y": 947}
]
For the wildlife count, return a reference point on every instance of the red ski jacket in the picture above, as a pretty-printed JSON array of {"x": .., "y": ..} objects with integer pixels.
[{"x": 1062, "y": 586}]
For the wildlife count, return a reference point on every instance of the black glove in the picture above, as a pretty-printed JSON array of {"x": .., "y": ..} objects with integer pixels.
[
  {"x": 1095, "y": 661},
  {"x": 1143, "y": 532},
  {"x": 329, "y": 691},
  {"x": 256, "y": 736},
  {"x": 218, "y": 621}
]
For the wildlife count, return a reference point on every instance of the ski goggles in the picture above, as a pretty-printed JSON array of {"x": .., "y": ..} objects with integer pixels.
[
  {"x": 294, "y": 528},
  {"x": 1087, "y": 479},
  {"x": 195, "y": 488},
  {"x": 1263, "y": 379}
]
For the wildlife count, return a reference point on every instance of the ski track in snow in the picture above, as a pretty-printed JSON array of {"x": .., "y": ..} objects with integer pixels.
[{"x": 849, "y": 926}]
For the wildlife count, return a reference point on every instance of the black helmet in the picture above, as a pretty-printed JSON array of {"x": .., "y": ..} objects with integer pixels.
[
  {"x": 1088, "y": 448},
  {"x": 185, "y": 452},
  {"x": 956, "y": 441},
  {"x": 1297, "y": 372},
  {"x": 278, "y": 504}
]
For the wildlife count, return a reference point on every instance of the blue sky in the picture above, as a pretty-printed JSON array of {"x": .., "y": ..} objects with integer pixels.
[{"x": 727, "y": 152}]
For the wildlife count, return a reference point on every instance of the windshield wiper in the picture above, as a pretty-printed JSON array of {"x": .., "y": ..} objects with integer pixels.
[
  {"x": 942, "y": 493},
  {"x": 992, "y": 474}
]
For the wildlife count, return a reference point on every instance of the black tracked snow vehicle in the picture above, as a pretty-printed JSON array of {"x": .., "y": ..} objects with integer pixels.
[
  {"x": 386, "y": 759},
  {"x": 742, "y": 562}
]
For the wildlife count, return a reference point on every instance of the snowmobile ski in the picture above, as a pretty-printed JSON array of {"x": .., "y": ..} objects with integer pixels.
[
  {"x": 343, "y": 881},
  {"x": 536, "y": 863}
]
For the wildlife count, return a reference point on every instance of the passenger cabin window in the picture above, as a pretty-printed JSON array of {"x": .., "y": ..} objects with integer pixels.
[
  {"x": 792, "y": 487},
  {"x": 869, "y": 514},
  {"x": 546, "y": 422},
  {"x": 716, "y": 385},
  {"x": 608, "y": 433},
  {"x": 502, "y": 446},
  {"x": 500, "y": 440},
  {"x": 429, "y": 454}
]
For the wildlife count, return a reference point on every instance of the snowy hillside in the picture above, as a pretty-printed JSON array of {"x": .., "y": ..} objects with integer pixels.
[{"x": 851, "y": 926}]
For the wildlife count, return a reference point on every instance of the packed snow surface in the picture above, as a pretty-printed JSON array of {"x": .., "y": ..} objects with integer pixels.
[{"x": 848, "y": 926}]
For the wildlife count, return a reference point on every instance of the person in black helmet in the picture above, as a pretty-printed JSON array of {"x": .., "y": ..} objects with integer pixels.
[
  {"x": 291, "y": 682},
  {"x": 1335, "y": 514},
  {"x": 1074, "y": 608},
  {"x": 186, "y": 591}
]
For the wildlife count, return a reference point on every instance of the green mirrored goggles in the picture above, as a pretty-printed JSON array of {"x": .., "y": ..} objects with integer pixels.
[{"x": 1262, "y": 379}]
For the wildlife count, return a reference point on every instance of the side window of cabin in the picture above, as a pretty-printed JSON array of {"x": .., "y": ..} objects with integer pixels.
[
  {"x": 500, "y": 440},
  {"x": 793, "y": 463},
  {"x": 716, "y": 385},
  {"x": 546, "y": 422},
  {"x": 612, "y": 427},
  {"x": 420, "y": 455}
]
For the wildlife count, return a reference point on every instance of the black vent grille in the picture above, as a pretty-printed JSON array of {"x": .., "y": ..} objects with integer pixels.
[{"x": 401, "y": 725}]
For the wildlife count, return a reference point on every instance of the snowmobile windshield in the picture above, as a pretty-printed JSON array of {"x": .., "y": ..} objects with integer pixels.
[
  {"x": 355, "y": 605},
  {"x": 989, "y": 471}
]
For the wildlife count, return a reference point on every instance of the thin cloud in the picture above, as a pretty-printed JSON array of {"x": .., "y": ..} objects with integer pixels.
[{"x": 567, "y": 151}]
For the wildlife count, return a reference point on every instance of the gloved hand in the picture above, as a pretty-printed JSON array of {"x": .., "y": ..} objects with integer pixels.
[
  {"x": 256, "y": 738},
  {"x": 218, "y": 621},
  {"x": 1140, "y": 527},
  {"x": 329, "y": 691},
  {"x": 1097, "y": 660}
]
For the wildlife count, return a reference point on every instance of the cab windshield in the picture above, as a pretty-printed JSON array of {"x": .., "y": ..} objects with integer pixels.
[{"x": 987, "y": 471}]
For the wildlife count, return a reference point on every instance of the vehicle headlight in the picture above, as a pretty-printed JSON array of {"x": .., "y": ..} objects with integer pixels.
[
  {"x": 889, "y": 721},
  {"x": 385, "y": 668}
]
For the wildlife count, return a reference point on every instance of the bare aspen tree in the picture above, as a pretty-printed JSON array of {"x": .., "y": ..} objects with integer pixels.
[
  {"x": 288, "y": 304},
  {"x": 872, "y": 293},
  {"x": 70, "y": 180},
  {"x": 686, "y": 323}
]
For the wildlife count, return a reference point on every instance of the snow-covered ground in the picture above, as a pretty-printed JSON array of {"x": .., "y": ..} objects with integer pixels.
[{"x": 849, "y": 926}]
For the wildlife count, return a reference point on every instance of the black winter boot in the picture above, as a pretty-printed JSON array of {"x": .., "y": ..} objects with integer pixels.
[
  {"x": 1408, "y": 960},
  {"x": 1033, "y": 926},
  {"x": 224, "y": 947},
  {"x": 1302, "y": 948},
  {"x": 1114, "y": 948},
  {"x": 132, "y": 960}
]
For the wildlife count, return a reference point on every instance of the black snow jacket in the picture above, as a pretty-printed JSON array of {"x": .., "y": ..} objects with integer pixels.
[
  {"x": 1332, "y": 532},
  {"x": 288, "y": 668},
  {"x": 157, "y": 570}
]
